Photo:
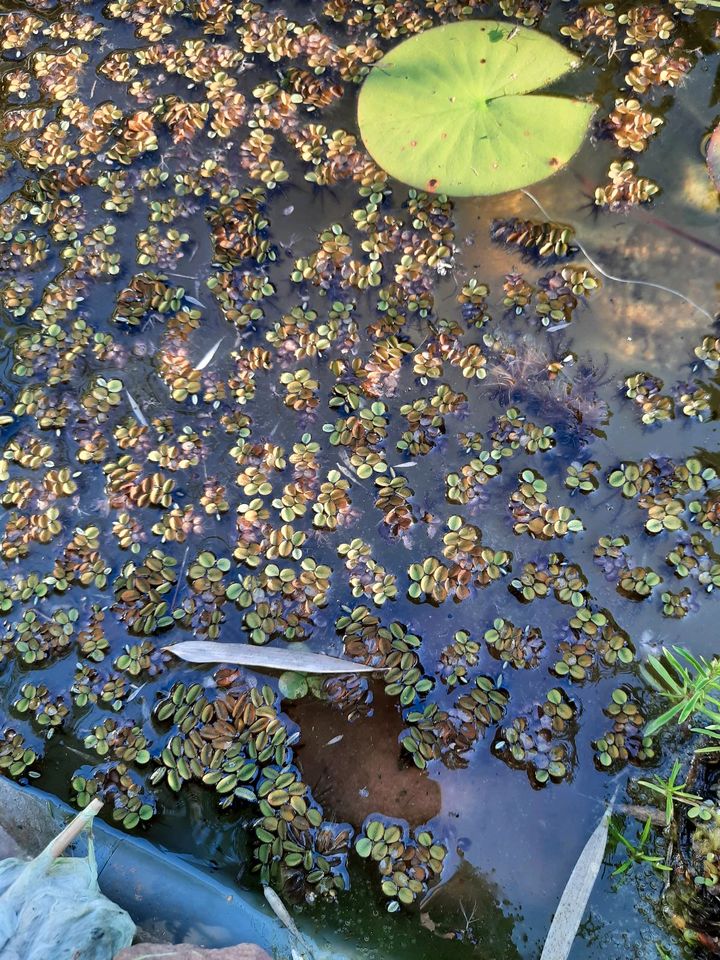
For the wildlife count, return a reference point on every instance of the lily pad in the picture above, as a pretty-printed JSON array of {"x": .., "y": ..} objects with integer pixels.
[
  {"x": 450, "y": 110},
  {"x": 293, "y": 686}
]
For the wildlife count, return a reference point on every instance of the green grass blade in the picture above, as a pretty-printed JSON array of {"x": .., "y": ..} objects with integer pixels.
[
  {"x": 670, "y": 683},
  {"x": 659, "y": 722}
]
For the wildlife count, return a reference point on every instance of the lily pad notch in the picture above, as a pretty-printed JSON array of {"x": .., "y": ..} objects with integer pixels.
[{"x": 452, "y": 110}]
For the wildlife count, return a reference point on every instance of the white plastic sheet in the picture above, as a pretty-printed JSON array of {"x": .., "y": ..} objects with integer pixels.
[{"x": 52, "y": 907}]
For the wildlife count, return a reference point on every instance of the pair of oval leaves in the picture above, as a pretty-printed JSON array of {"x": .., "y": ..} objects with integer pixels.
[{"x": 451, "y": 110}]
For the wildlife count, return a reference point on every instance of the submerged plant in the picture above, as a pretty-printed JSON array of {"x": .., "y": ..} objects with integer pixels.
[
  {"x": 706, "y": 846},
  {"x": 671, "y": 792},
  {"x": 636, "y": 851}
]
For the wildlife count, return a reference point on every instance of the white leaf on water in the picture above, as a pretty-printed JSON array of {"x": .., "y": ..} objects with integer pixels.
[
  {"x": 195, "y": 301},
  {"x": 209, "y": 355},
  {"x": 571, "y": 908},
  {"x": 137, "y": 412},
  {"x": 272, "y": 658},
  {"x": 344, "y": 470}
]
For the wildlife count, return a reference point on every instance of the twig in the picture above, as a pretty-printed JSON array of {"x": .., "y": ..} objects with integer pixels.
[
  {"x": 76, "y": 826},
  {"x": 152, "y": 956},
  {"x": 642, "y": 813},
  {"x": 433, "y": 890},
  {"x": 679, "y": 232},
  {"x": 280, "y": 911}
]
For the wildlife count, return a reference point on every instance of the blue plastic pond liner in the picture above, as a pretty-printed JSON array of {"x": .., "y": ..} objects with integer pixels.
[{"x": 170, "y": 900}]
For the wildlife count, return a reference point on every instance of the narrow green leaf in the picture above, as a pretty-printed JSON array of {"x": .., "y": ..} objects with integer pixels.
[{"x": 659, "y": 722}]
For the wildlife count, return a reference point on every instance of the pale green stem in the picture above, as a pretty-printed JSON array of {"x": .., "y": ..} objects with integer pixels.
[{"x": 610, "y": 276}]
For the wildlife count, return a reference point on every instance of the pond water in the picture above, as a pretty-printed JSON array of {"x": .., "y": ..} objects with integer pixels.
[{"x": 250, "y": 384}]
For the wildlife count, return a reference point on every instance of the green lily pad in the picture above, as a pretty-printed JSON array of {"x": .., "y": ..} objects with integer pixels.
[
  {"x": 293, "y": 686},
  {"x": 449, "y": 110}
]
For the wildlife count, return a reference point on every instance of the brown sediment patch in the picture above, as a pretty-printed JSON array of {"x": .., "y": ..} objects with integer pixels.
[{"x": 363, "y": 772}]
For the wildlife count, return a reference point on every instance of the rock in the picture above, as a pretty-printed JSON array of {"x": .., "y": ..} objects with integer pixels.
[{"x": 186, "y": 951}]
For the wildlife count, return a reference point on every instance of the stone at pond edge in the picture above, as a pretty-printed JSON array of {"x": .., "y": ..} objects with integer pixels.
[
  {"x": 186, "y": 951},
  {"x": 713, "y": 156}
]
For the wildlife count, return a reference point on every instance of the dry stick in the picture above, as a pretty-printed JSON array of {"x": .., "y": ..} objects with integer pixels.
[
  {"x": 610, "y": 276},
  {"x": 280, "y": 911},
  {"x": 679, "y": 232},
  {"x": 433, "y": 890},
  {"x": 76, "y": 826},
  {"x": 574, "y": 898},
  {"x": 642, "y": 813}
]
